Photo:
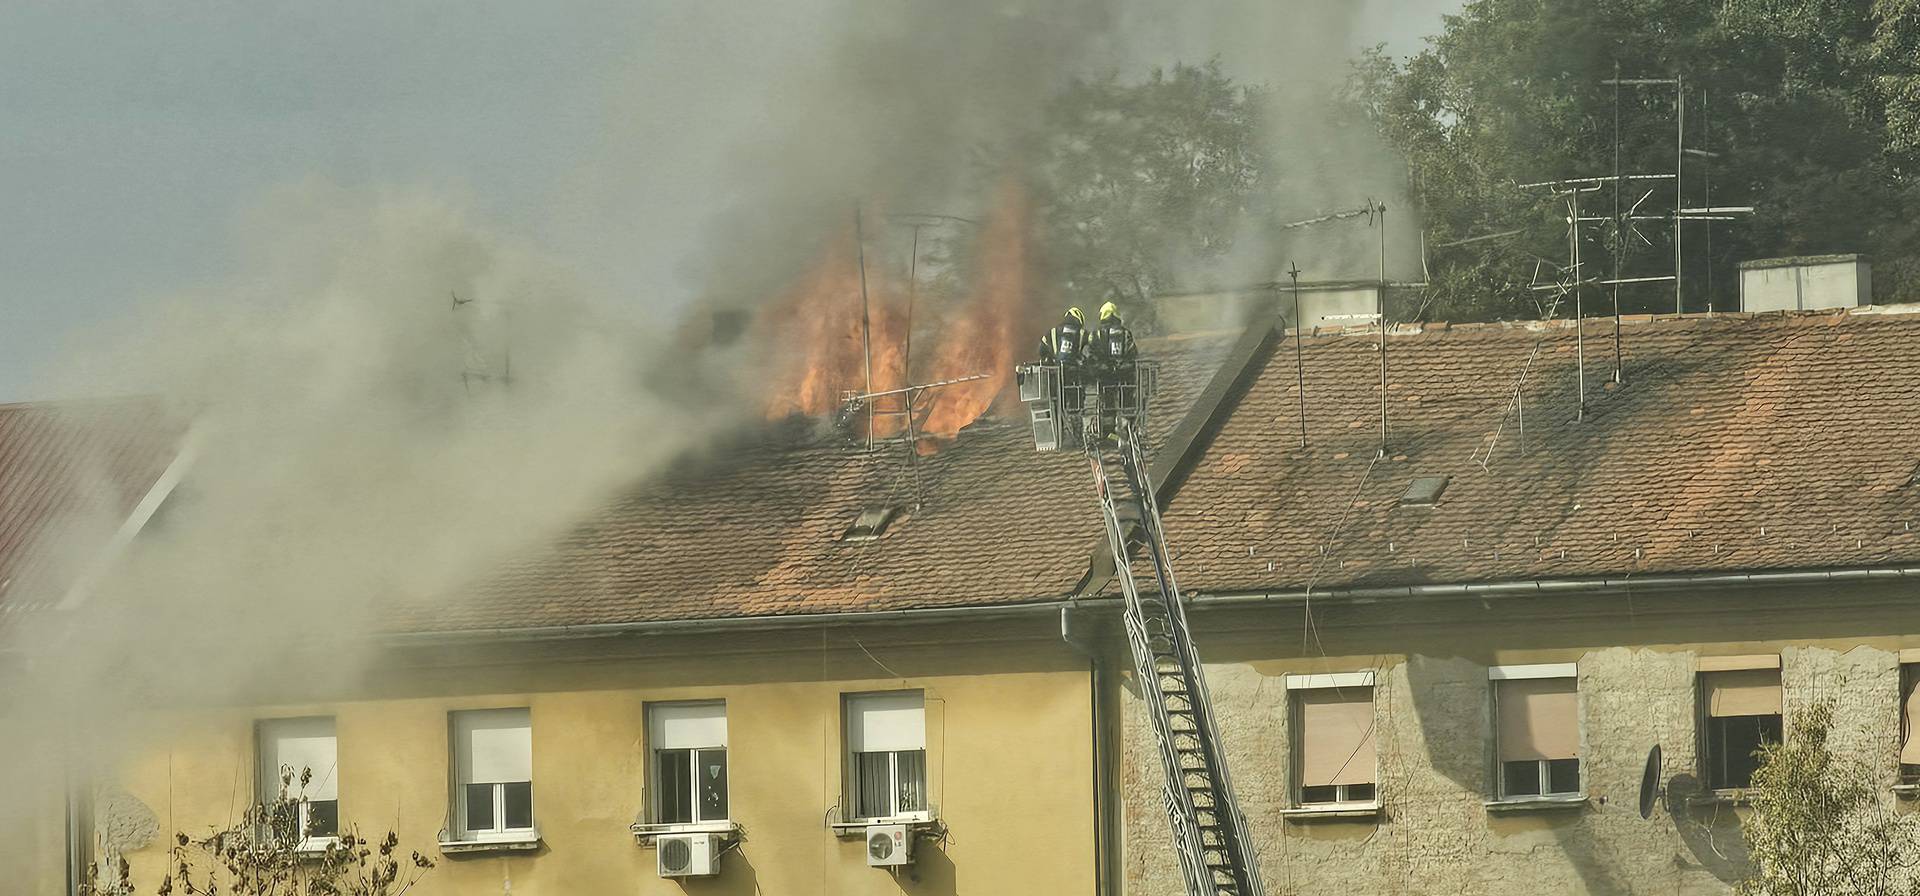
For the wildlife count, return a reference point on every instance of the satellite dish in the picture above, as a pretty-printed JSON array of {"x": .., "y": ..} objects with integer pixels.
[{"x": 1650, "y": 789}]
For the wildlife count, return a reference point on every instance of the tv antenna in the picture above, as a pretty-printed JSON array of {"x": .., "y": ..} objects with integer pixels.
[{"x": 853, "y": 403}]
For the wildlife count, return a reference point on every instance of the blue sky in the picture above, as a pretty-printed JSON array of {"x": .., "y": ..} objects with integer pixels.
[{"x": 137, "y": 134}]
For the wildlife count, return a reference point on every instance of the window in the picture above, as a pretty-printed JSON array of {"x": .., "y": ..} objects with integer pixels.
[
  {"x": 1909, "y": 716},
  {"x": 887, "y": 755},
  {"x": 1424, "y": 491},
  {"x": 298, "y": 758},
  {"x": 493, "y": 774},
  {"x": 1740, "y": 709},
  {"x": 688, "y": 742},
  {"x": 1333, "y": 737},
  {"x": 1537, "y": 732}
]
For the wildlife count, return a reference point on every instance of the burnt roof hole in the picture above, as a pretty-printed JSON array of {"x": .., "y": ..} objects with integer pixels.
[
  {"x": 870, "y": 524},
  {"x": 1424, "y": 491}
]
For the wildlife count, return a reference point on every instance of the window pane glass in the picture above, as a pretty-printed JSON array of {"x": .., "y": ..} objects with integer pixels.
[
  {"x": 1732, "y": 742},
  {"x": 873, "y": 785},
  {"x": 323, "y": 818},
  {"x": 479, "y": 807},
  {"x": 1358, "y": 793},
  {"x": 911, "y": 769},
  {"x": 673, "y": 775},
  {"x": 519, "y": 798},
  {"x": 1324, "y": 793},
  {"x": 712, "y": 785},
  {"x": 1521, "y": 777},
  {"x": 1563, "y": 776}
]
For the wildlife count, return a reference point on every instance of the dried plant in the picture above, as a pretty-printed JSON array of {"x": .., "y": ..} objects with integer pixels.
[{"x": 267, "y": 854}]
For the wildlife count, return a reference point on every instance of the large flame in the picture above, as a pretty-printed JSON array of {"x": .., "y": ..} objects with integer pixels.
[
  {"x": 991, "y": 324},
  {"x": 813, "y": 333}
]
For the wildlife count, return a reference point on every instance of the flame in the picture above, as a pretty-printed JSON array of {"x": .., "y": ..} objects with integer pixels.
[
  {"x": 812, "y": 334},
  {"x": 992, "y": 322}
]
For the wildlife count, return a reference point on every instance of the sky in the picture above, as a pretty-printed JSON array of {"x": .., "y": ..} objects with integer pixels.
[{"x": 139, "y": 136}]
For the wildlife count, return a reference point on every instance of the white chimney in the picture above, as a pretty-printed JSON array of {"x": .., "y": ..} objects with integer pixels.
[{"x": 1806, "y": 283}]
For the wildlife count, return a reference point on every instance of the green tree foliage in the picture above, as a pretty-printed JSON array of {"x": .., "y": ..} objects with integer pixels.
[
  {"x": 1135, "y": 179},
  {"x": 1813, "y": 107},
  {"x": 1820, "y": 825}
]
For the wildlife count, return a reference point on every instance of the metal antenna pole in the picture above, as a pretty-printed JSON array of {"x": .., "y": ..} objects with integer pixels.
[
  {"x": 1679, "y": 158},
  {"x": 1299, "y": 358},
  {"x": 866, "y": 323},
  {"x": 913, "y": 294},
  {"x": 1706, "y": 134},
  {"x": 1382, "y": 209},
  {"x": 1579, "y": 310},
  {"x": 1619, "y": 231}
]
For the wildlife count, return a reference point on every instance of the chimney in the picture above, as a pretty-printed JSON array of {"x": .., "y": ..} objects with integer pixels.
[{"x": 1806, "y": 283}]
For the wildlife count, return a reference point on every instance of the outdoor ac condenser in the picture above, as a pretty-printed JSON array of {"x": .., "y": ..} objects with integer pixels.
[
  {"x": 688, "y": 855},
  {"x": 889, "y": 845}
]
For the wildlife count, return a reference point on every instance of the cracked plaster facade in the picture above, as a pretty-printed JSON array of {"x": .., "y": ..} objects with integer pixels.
[{"x": 1433, "y": 719}]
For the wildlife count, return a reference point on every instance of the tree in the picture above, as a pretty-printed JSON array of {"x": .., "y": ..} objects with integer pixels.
[
  {"x": 1819, "y": 824},
  {"x": 261, "y": 856},
  {"x": 1137, "y": 179},
  {"x": 1809, "y": 104}
]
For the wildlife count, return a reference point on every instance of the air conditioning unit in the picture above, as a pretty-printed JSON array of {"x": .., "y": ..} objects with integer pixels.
[
  {"x": 688, "y": 855},
  {"x": 889, "y": 845}
]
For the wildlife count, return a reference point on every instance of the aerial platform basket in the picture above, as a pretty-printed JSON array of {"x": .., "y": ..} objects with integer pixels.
[{"x": 1070, "y": 407}]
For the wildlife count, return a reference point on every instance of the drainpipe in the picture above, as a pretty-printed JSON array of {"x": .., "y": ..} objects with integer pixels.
[{"x": 1103, "y": 880}]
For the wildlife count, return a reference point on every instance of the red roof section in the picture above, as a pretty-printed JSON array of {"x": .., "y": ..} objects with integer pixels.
[
  {"x": 70, "y": 475},
  {"x": 1737, "y": 443},
  {"x": 756, "y": 530}
]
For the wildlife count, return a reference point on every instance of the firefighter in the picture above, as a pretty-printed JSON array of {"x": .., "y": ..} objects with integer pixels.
[
  {"x": 1111, "y": 347},
  {"x": 1065, "y": 344}
]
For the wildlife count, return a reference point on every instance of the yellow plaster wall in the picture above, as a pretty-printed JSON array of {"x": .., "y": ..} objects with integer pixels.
[{"x": 1009, "y": 767}]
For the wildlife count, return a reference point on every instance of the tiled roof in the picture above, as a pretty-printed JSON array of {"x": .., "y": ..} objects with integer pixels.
[
  {"x": 1737, "y": 443},
  {"x": 70, "y": 474},
  {"x": 755, "y": 531}
]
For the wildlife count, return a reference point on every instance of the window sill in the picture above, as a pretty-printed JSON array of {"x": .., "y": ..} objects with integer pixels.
[
  {"x": 1732, "y": 797},
  {"x": 520, "y": 842},
  {"x": 1537, "y": 803},
  {"x": 645, "y": 834},
  {"x": 315, "y": 847},
  {"x": 919, "y": 821},
  {"x": 1331, "y": 811}
]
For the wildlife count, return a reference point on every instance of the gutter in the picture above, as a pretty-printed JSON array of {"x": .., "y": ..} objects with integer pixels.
[
  {"x": 1533, "y": 587},
  {"x": 723, "y": 624},
  {"x": 1196, "y": 599}
]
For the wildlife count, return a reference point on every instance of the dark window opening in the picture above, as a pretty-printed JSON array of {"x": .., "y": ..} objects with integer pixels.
[
  {"x": 1522, "y": 777},
  {"x": 323, "y": 818},
  {"x": 674, "y": 778},
  {"x": 712, "y": 785},
  {"x": 519, "y": 804},
  {"x": 1563, "y": 776},
  {"x": 479, "y": 807},
  {"x": 1733, "y": 744}
]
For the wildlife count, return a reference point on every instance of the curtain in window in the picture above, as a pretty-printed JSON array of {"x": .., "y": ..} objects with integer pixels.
[
  {"x": 1539, "y": 719},
  {"x": 911, "y": 768},
  {"x": 875, "y": 785},
  {"x": 1336, "y": 737}
]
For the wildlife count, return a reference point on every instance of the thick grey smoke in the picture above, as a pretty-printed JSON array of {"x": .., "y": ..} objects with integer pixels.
[{"x": 362, "y": 435}]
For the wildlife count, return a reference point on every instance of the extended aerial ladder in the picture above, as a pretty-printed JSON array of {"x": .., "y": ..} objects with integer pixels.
[{"x": 1105, "y": 414}]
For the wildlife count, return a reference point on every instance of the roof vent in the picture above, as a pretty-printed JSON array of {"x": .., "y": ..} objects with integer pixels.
[
  {"x": 1424, "y": 491},
  {"x": 871, "y": 523}
]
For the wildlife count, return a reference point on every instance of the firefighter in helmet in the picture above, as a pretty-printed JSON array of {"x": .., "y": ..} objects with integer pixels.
[
  {"x": 1066, "y": 343},
  {"x": 1112, "y": 347}
]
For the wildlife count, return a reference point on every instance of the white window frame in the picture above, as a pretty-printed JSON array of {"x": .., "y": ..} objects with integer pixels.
[
  {"x": 654, "y": 809},
  {"x": 1534, "y": 671},
  {"x": 1343, "y": 800},
  {"x": 268, "y": 786},
  {"x": 851, "y": 765},
  {"x": 497, "y": 789}
]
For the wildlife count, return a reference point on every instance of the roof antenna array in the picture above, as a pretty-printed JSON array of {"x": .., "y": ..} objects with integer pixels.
[{"x": 1624, "y": 224}]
